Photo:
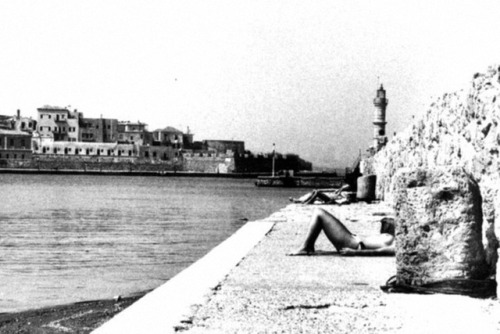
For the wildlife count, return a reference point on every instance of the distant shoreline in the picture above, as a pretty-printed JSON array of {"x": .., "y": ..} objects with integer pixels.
[
  {"x": 147, "y": 173},
  {"x": 123, "y": 173}
]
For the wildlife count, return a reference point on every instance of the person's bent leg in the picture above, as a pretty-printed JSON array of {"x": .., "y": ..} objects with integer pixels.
[{"x": 335, "y": 231}]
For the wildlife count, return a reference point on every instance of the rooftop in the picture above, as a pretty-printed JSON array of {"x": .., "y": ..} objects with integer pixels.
[
  {"x": 53, "y": 108},
  {"x": 169, "y": 129}
]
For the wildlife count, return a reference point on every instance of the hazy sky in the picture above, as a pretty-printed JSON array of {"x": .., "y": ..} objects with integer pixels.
[{"x": 301, "y": 74}]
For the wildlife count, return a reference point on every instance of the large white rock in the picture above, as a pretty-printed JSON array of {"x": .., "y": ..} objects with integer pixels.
[{"x": 438, "y": 226}]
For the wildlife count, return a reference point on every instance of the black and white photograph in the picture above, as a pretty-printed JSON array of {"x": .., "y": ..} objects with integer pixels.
[{"x": 253, "y": 166}]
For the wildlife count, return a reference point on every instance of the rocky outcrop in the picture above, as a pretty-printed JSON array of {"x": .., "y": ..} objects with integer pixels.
[
  {"x": 459, "y": 129},
  {"x": 438, "y": 230}
]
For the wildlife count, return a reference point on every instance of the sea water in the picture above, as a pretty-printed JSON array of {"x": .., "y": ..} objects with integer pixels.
[{"x": 69, "y": 238}]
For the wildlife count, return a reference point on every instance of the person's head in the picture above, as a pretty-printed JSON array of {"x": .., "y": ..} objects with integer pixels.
[{"x": 387, "y": 225}]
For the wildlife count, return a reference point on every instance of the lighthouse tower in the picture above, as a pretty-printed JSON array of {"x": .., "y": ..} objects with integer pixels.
[{"x": 380, "y": 102}]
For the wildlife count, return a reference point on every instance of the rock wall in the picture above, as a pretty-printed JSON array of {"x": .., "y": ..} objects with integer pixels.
[
  {"x": 438, "y": 230},
  {"x": 460, "y": 129},
  {"x": 209, "y": 164}
]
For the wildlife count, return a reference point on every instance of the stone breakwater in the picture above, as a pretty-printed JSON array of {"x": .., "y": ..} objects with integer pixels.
[{"x": 458, "y": 129}]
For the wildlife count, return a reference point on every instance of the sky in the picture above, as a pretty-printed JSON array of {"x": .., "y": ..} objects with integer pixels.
[{"x": 298, "y": 74}]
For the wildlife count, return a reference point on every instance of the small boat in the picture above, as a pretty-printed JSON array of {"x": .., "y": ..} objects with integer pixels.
[
  {"x": 304, "y": 182},
  {"x": 277, "y": 181}
]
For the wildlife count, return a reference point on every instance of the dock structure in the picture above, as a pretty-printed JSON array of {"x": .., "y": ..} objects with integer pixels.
[{"x": 269, "y": 292}]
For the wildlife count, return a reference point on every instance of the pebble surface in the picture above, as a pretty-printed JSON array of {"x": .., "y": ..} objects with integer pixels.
[{"x": 269, "y": 292}]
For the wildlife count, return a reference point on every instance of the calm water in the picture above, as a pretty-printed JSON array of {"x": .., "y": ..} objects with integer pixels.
[{"x": 73, "y": 238}]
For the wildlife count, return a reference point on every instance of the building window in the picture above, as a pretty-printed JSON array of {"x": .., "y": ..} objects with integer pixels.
[
  {"x": 12, "y": 142},
  {"x": 50, "y": 116}
]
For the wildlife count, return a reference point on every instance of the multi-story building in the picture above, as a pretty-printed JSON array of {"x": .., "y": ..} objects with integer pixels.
[
  {"x": 168, "y": 136},
  {"x": 134, "y": 133},
  {"x": 24, "y": 123},
  {"x": 99, "y": 130},
  {"x": 15, "y": 145},
  {"x": 60, "y": 124},
  {"x": 17, "y": 122}
]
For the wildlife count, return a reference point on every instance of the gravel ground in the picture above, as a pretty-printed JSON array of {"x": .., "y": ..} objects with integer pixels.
[{"x": 269, "y": 292}]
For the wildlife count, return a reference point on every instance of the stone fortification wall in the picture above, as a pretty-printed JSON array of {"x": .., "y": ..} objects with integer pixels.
[
  {"x": 96, "y": 164},
  {"x": 209, "y": 163},
  {"x": 460, "y": 129}
]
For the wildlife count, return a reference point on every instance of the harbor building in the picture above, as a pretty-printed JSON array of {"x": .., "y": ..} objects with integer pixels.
[
  {"x": 134, "y": 133},
  {"x": 169, "y": 136},
  {"x": 99, "y": 130},
  {"x": 63, "y": 139},
  {"x": 18, "y": 122},
  {"x": 14, "y": 145},
  {"x": 58, "y": 124}
]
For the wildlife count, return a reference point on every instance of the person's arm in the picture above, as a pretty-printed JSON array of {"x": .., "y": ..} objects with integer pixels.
[{"x": 383, "y": 251}]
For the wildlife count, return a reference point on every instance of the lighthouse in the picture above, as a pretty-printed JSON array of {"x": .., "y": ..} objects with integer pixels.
[{"x": 380, "y": 102}]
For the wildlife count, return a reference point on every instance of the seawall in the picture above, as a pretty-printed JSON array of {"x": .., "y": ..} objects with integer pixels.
[{"x": 461, "y": 129}]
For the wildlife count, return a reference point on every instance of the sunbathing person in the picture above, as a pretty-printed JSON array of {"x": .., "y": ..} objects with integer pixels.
[
  {"x": 324, "y": 196},
  {"x": 343, "y": 240}
]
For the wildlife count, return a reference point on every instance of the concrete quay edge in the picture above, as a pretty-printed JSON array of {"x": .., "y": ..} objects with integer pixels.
[{"x": 163, "y": 309}]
